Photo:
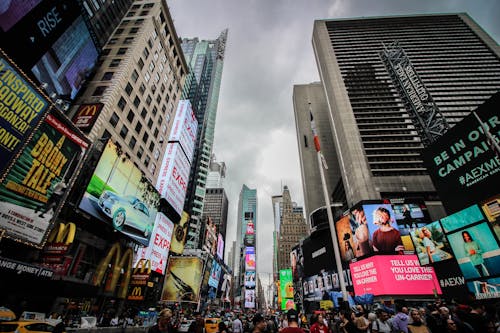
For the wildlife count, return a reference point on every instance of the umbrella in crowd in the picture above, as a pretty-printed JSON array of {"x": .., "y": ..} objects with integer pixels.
[{"x": 6, "y": 314}]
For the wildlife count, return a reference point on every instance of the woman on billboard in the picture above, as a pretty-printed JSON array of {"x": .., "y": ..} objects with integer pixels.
[{"x": 475, "y": 254}]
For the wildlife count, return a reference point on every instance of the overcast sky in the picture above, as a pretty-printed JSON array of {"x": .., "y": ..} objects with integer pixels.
[{"x": 268, "y": 51}]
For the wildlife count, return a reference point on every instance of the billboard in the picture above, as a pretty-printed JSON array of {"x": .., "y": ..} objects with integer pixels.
[
  {"x": 431, "y": 245},
  {"x": 210, "y": 243},
  {"x": 34, "y": 189},
  {"x": 220, "y": 246},
  {"x": 317, "y": 250},
  {"x": 393, "y": 275},
  {"x": 215, "y": 273},
  {"x": 184, "y": 128},
  {"x": 183, "y": 279},
  {"x": 462, "y": 161},
  {"x": 51, "y": 40},
  {"x": 345, "y": 238},
  {"x": 489, "y": 288},
  {"x": 249, "y": 258},
  {"x": 249, "y": 239},
  {"x": 286, "y": 284},
  {"x": 159, "y": 245},
  {"x": 250, "y": 298},
  {"x": 297, "y": 263},
  {"x": 86, "y": 115},
  {"x": 249, "y": 279},
  {"x": 173, "y": 177},
  {"x": 180, "y": 233},
  {"x": 21, "y": 109},
  {"x": 491, "y": 209},
  {"x": 120, "y": 195},
  {"x": 381, "y": 222}
]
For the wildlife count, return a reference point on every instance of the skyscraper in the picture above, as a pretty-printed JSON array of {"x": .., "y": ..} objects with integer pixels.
[
  {"x": 206, "y": 60},
  {"x": 377, "y": 142},
  {"x": 292, "y": 229}
]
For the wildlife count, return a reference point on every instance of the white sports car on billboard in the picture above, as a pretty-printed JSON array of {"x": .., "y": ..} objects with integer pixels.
[{"x": 126, "y": 211}]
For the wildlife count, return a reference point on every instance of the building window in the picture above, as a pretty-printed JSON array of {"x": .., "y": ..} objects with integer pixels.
[
  {"x": 135, "y": 76},
  {"x": 144, "y": 112},
  {"x": 148, "y": 5},
  {"x": 99, "y": 91},
  {"x": 145, "y": 137},
  {"x": 145, "y": 53},
  {"x": 150, "y": 43},
  {"x": 138, "y": 127},
  {"x": 115, "y": 63},
  {"x": 124, "y": 131},
  {"x": 105, "y": 52},
  {"x": 146, "y": 161},
  {"x": 122, "y": 51},
  {"x": 132, "y": 142},
  {"x": 156, "y": 132},
  {"x": 114, "y": 119},
  {"x": 137, "y": 101},
  {"x": 112, "y": 41},
  {"x": 150, "y": 123},
  {"x": 128, "y": 89},
  {"x": 154, "y": 111},
  {"x": 107, "y": 76},
  {"x": 134, "y": 30},
  {"x": 128, "y": 40},
  {"x": 158, "y": 99},
  {"x": 156, "y": 154},
  {"x": 140, "y": 151},
  {"x": 144, "y": 13},
  {"x": 138, "y": 21},
  {"x": 151, "y": 146},
  {"x": 87, "y": 8},
  {"x": 130, "y": 116},
  {"x": 119, "y": 31},
  {"x": 140, "y": 63},
  {"x": 148, "y": 100},
  {"x": 122, "y": 103},
  {"x": 152, "y": 67},
  {"x": 130, "y": 14},
  {"x": 147, "y": 76}
]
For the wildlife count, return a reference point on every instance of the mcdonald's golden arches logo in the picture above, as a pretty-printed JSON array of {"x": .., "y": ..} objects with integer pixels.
[
  {"x": 63, "y": 233},
  {"x": 120, "y": 262},
  {"x": 86, "y": 115}
]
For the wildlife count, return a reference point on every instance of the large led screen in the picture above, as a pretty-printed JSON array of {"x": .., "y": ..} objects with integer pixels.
[
  {"x": 286, "y": 283},
  {"x": 249, "y": 258},
  {"x": 297, "y": 263},
  {"x": 120, "y": 195},
  {"x": 345, "y": 238},
  {"x": 463, "y": 218},
  {"x": 21, "y": 109},
  {"x": 159, "y": 245},
  {"x": 393, "y": 275},
  {"x": 250, "y": 298},
  {"x": 180, "y": 233},
  {"x": 461, "y": 163},
  {"x": 184, "y": 128},
  {"x": 34, "y": 189},
  {"x": 220, "y": 246},
  {"x": 215, "y": 273},
  {"x": 491, "y": 208},
  {"x": 476, "y": 251},
  {"x": 249, "y": 279},
  {"x": 486, "y": 289},
  {"x": 183, "y": 279},
  {"x": 431, "y": 245}
]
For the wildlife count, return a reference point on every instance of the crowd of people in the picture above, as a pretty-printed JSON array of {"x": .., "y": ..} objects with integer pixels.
[{"x": 437, "y": 317}]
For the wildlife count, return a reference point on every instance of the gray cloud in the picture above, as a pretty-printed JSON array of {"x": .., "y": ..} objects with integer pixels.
[{"x": 268, "y": 51}]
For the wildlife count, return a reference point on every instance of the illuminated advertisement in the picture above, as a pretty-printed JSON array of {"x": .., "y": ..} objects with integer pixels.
[
  {"x": 210, "y": 244},
  {"x": 476, "y": 251},
  {"x": 315, "y": 286},
  {"x": 21, "y": 109},
  {"x": 119, "y": 194},
  {"x": 384, "y": 235},
  {"x": 173, "y": 177},
  {"x": 491, "y": 208},
  {"x": 410, "y": 214},
  {"x": 462, "y": 219},
  {"x": 69, "y": 62},
  {"x": 86, "y": 116},
  {"x": 287, "y": 304},
  {"x": 489, "y": 288},
  {"x": 184, "y": 128},
  {"x": 159, "y": 245},
  {"x": 393, "y": 275},
  {"x": 431, "y": 245},
  {"x": 34, "y": 189},
  {"x": 220, "y": 246},
  {"x": 462, "y": 160},
  {"x": 345, "y": 238},
  {"x": 249, "y": 279},
  {"x": 215, "y": 273},
  {"x": 286, "y": 284},
  {"x": 183, "y": 279},
  {"x": 179, "y": 236},
  {"x": 297, "y": 263},
  {"x": 250, "y": 298},
  {"x": 249, "y": 258},
  {"x": 249, "y": 239}
]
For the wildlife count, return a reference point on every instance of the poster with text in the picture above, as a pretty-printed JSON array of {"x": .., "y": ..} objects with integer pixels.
[{"x": 34, "y": 189}]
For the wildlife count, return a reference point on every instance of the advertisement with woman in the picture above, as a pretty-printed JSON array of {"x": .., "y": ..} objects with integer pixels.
[
  {"x": 430, "y": 243},
  {"x": 385, "y": 239}
]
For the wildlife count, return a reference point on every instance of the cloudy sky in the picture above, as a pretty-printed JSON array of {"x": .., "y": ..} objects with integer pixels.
[{"x": 268, "y": 51}]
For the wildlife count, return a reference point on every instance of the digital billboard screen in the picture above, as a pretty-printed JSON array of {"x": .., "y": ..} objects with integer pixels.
[
  {"x": 462, "y": 160},
  {"x": 36, "y": 185},
  {"x": 159, "y": 245},
  {"x": 250, "y": 298},
  {"x": 215, "y": 273},
  {"x": 393, "y": 275},
  {"x": 21, "y": 110},
  {"x": 120, "y": 195},
  {"x": 431, "y": 245},
  {"x": 476, "y": 251},
  {"x": 220, "y": 246},
  {"x": 345, "y": 238},
  {"x": 249, "y": 258},
  {"x": 249, "y": 279},
  {"x": 297, "y": 263},
  {"x": 184, "y": 128},
  {"x": 491, "y": 209},
  {"x": 183, "y": 279},
  {"x": 286, "y": 283}
]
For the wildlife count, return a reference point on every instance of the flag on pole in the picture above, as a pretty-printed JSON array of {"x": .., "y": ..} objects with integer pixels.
[{"x": 315, "y": 133}]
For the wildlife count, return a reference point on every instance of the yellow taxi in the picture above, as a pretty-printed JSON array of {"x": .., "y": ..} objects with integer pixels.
[
  {"x": 30, "y": 326},
  {"x": 212, "y": 325}
]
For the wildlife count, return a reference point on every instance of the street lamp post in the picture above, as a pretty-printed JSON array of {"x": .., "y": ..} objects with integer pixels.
[{"x": 321, "y": 165}]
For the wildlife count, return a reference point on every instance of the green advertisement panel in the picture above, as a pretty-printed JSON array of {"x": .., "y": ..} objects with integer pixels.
[{"x": 286, "y": 283}]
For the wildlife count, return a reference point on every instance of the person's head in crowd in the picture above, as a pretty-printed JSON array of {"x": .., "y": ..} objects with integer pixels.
[
  {"x": 292, "y": 317},
  {"x": 415, "y": 316},
  {"x": 164, "y": 318}
]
